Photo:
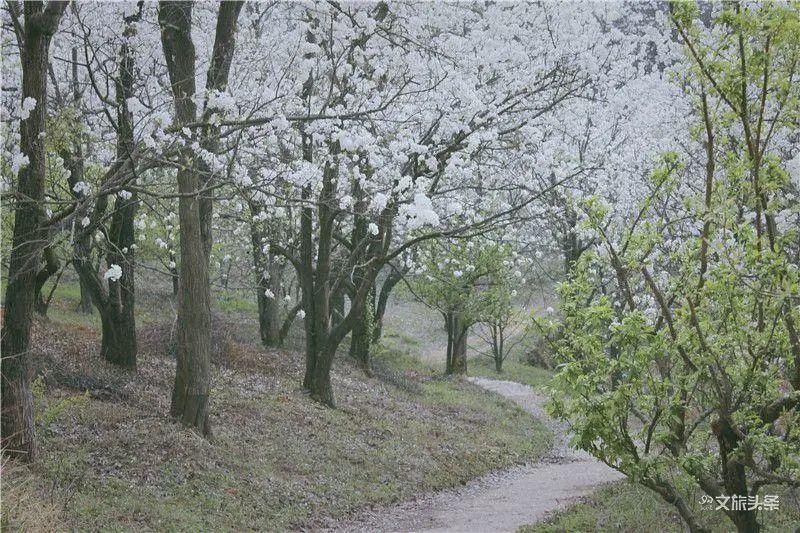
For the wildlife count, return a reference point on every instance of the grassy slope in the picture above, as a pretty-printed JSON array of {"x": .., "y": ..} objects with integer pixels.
[
  {"x": 622, "y": 506},
  {"x": 629, "y": 507},
  {"x": 111, "y": 459}
]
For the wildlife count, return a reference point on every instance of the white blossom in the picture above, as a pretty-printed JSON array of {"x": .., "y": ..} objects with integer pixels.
[
  {"x": 379, "y": 202},
  {"x": 82, "y": 188},
  {"x": 113, "y": 273},
  {"x": 28, "y": 105},
  {"x": 18, "y": 162}
]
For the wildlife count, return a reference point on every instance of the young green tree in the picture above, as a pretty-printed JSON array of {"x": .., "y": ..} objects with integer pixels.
[
  {"x": 681, "y": 361},
  {"x": 459, "y": 278},
  {"x": 496, "y": 302}
]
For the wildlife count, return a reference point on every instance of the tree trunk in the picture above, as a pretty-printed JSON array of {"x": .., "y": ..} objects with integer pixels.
[
  {"x": 119, "y": 347},
  {"x": 18, "y": 422},
  {"x": 457, "y": 344},
  {"x": 362, "y": 331},
  {"x": 269, "y": 274},
  {"x": 321, "y": 389},
  {"x": 116, "y": 307},
  {"x": 448, "y": 320},
  {"x": 746, "y": 521},
  {"x": 288, "y": 320},
  {"x": 460, "y": 354},
  {"x": 116, "y": 302},
  {"x": 310, "y": 350},
  {"x": 571, "y": 246},
  {"x": 272, "y": 320},
  {"x": 51, "y": 266},
  {"x": 267, "y": 320},
  {"x": 498, "y": 348},
  {"x": 85, "y": 306},
  {"x": 216, "y": 80},
  {"x": 17, "y": 425},
  {"x": 318, "y": 295},
  {"x": 383, "y": 300},
  {"x": 734, "y": 474},
  {"x": 193, "y": 373},
  {"x": 337, "y": 307},
  {"x": 173, "y": 273},
  {"x": 73, "y": 161},
  {"x": 360, "y": 341},
  {"x": 269, "y": 324},
  {"x": 119, "y": 339},
  {"x": 305, "y": 275}
]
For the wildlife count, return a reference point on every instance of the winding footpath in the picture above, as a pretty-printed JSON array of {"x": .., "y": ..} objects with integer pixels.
[{"x": 504, "y": 500}]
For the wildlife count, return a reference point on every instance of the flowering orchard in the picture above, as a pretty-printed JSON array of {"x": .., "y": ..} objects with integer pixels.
[{"x": 316, "y": 156}]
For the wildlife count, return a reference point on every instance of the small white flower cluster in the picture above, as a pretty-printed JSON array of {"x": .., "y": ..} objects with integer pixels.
[
  {"x": 420, "y": 213},
  {"x": 18, "y": 162},
  {"x": 379, "y": 202},
  {"x": 82, "y": 188},
  {"x": 28, "y": 105},
  {"x": 113, "y": 273}
]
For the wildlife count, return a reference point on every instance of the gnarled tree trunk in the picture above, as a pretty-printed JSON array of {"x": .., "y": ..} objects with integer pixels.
[
  {"x": 119, "y": 322},
  {"x": 115, "y": 302},
  {"x": 29, "y": 236},
  {"x": 51, "y": 266}
]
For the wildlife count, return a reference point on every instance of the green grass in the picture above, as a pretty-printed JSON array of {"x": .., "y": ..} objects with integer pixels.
[
  {"x": 397, "y": 354},
  {"x": 513, "y": 370},
  {"x": 236, "y": 302},
  {"x": 401, "y": 339},
  {"x": 628, "y": 507},
  {"x": 622, "y": 506}
]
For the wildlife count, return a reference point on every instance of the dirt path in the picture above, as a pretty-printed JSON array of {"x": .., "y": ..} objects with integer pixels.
[{"x": 501, "y": 501}]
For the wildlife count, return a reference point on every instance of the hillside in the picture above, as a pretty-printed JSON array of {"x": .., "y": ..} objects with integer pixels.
[{"x": 113, "y": 459}]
